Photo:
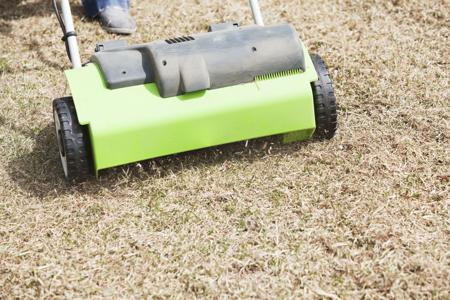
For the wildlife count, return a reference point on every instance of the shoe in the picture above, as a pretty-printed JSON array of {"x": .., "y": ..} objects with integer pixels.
[{"x": 115, "y": 19}]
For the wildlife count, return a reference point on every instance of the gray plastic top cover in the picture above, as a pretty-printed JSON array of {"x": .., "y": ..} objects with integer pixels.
[{"x": 203, "y": 61}]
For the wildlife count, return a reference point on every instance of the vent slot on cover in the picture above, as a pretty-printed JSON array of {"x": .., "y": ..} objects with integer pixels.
[
  {"x": 180, "y": 40},
  {"x": 278, "y": 74}
]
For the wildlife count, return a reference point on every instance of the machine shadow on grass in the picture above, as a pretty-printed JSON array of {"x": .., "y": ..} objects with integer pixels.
[{"x": 39, "y": 172}]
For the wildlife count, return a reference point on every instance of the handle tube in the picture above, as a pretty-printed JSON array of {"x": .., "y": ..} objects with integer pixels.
[
  {"x": 72, "y": 44},
  {"x": 256, "y": 11}
]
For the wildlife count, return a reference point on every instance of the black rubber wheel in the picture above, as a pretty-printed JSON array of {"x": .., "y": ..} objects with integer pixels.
[
  {"x": 324, "y": 101},
  {"x": 73, "y": 141}
]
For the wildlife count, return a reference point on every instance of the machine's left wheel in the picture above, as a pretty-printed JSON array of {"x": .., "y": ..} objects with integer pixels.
[
  {"x": 324, "y": 101},
  {"x": 73, "y": 141}
]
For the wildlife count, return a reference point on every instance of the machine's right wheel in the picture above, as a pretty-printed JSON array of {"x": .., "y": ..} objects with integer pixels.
[
  {"x": 324, "y": 101},
  {"x": 73, "y": 141}
]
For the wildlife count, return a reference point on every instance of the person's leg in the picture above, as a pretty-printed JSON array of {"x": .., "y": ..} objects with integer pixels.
[
  {"x": 113, "y": 15},
  {"x": 94, "y": 7}
]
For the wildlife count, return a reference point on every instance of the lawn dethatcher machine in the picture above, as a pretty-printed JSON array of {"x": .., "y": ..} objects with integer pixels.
[{"x": 232, "y": 83}]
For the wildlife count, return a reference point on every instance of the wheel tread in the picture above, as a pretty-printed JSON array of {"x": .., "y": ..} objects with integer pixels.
[
  {"x": 324, "y": 100},
  {"x": 75, "y": 139}
]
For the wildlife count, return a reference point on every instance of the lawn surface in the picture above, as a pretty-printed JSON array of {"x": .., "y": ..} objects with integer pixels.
[{"x": 365, "y": 215}]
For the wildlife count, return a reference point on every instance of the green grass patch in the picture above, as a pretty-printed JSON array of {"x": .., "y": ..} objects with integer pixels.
[{"x": 5, "y": 67}]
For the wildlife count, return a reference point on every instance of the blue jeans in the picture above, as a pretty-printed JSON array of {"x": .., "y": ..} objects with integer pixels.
[{"x": 93, "y": 7}]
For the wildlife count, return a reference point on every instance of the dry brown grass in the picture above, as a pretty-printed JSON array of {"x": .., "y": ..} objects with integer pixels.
[{"x": 365, "y": 215}]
